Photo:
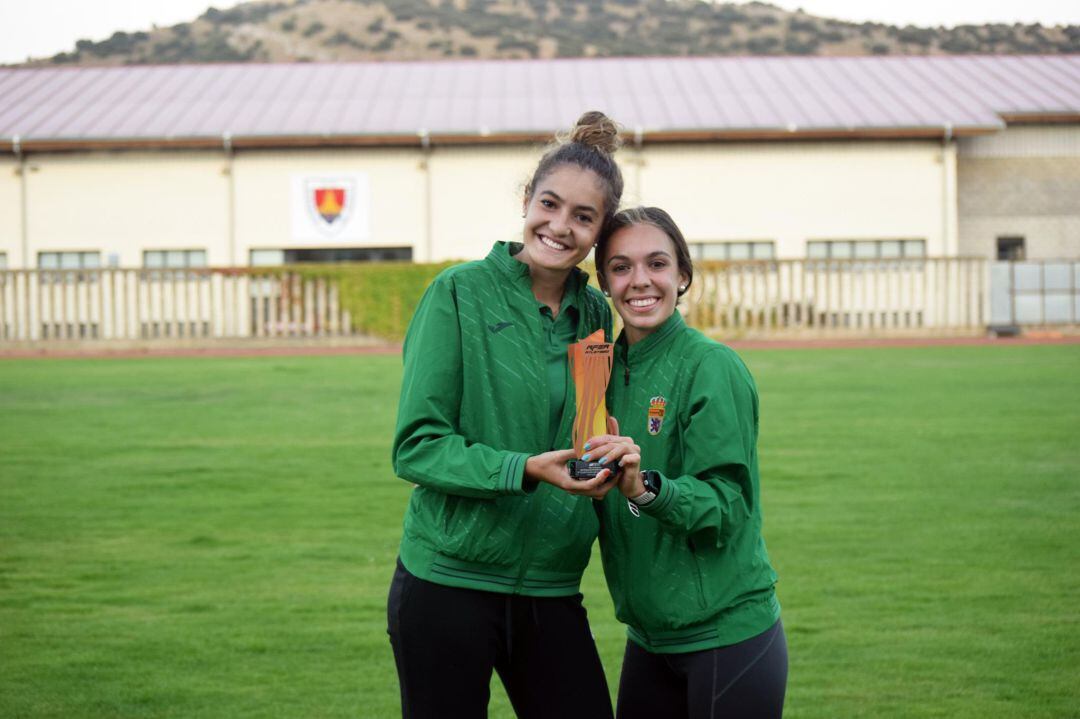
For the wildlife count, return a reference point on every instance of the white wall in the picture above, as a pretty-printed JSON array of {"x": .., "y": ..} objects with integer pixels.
[
  {"x": 125, "y": 203},
  {"x": 264, "y": 202},
  {"x": 789, "y": 192},
  {"x": 477, "y": 197},
  {"x": 10, "y": 212},
  {"x": 794, "y": 192}
]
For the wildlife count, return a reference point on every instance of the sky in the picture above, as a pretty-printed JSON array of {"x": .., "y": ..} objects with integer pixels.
[{"x": 40, "y": 28}]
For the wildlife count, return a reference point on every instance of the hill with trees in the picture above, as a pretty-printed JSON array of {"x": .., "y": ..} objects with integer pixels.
[{"x": 344, "y": 30}]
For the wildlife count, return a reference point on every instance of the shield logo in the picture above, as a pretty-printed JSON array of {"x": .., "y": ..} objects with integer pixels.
[
  {"x": 329, "y": 203},
  {"x": 657, "y": 407}
]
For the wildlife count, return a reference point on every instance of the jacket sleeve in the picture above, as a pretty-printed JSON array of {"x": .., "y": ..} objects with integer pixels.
[
  {"x": 428, "y": 447},
  {"x": 718, "y": 489}
]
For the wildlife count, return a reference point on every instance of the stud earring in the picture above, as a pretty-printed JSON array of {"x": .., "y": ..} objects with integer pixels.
[{"x": 682, "y": 288}]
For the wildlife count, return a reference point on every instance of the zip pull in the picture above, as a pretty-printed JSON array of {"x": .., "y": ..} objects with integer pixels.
[{"x": 626, "y": 377}]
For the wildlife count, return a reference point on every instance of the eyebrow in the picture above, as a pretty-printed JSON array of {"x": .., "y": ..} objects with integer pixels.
[
  {"x": 590, "y": 208},
  {"x": 658, "y": 253}
]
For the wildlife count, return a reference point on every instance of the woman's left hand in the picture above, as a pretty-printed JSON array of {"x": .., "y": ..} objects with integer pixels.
[{"x": 621, "y": 455}]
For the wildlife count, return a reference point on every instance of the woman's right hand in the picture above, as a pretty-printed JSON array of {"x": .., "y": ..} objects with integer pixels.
[
  {"x": 624, "y": 457},
  {"x": 550, "y": 467}
]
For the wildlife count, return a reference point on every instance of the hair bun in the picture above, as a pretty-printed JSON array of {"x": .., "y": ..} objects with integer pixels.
[{"x": 597, "y": 130}]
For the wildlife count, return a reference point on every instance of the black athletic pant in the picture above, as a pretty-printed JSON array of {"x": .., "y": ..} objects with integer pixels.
[
  {"x": 745, "y": 680},
  {"x": 447, "y": 640}
]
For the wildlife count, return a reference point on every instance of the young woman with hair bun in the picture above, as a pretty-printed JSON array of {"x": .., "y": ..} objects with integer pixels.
[{"x": 497, "y": 533}]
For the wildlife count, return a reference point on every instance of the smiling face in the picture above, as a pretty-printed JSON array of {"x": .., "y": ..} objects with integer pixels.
[
  {"x": 563, "y": 216},
  {"x": 641, "y": 272}
]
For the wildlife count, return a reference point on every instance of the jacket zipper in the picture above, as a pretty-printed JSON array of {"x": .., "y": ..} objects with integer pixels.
[
  {"x": 623, "y": 408},
  {"x": 527, "y": 553}
]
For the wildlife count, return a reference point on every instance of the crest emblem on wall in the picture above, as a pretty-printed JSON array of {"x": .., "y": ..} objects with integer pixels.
[
  {"x": 328, "y": 208},
  {"x": 657, "y": 407},
  {"x": 330, "y": 203}
]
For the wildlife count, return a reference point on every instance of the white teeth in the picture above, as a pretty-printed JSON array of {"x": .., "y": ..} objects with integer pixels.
[
  {"x": 644, "y": 302},
  {"x": 551, "y": 243}
]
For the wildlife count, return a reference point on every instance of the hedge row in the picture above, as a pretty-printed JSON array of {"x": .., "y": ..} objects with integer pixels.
[{"x": 380, "y": 296}]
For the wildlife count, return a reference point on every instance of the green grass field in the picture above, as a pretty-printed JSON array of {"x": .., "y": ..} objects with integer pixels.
[{"x": 215, "y": 537}]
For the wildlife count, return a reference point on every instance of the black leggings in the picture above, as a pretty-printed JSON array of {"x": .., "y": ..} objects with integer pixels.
[
  {"x": 447, "y": 640},
  {"x": 745, "y": 680}
]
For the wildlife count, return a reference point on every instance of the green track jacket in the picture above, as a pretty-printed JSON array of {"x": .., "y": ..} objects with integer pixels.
[
  {"x": 474, "y": 407},
  {"x": 691, "y": 572}
]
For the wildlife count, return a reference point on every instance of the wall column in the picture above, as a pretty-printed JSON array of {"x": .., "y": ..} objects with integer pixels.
[{"x": 950, "y": 233}]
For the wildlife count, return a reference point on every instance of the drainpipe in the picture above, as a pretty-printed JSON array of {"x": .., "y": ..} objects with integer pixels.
[
  {"x": 425, "y": 166},
  {"x": 16, "y": 147},
  {"x": 639, "y": 139},
  {"x": 230, "y": 211}
]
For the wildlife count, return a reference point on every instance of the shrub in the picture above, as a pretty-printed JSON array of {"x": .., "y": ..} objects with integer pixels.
[
  {"x": 380, "y": 296},
  {"x": 387, "y": 41},
  {"x": 340, "y": 38}
]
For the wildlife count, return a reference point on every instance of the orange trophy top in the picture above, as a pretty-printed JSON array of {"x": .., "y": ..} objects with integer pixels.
[{"x": 590, "y": 368}]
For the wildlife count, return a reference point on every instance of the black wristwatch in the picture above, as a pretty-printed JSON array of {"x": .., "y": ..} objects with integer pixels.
[{"x": 651, "y": 479}]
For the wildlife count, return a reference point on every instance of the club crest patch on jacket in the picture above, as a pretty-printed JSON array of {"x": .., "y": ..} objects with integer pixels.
[{"x": 657, "y": 406}]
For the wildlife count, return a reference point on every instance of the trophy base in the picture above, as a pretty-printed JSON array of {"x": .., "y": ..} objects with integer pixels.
[{"x": 584, "y": 470}]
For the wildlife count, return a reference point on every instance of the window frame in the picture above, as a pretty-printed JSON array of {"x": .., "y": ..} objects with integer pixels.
[
  {"x": 185, "y": 254},
  {"x": 698, "y": 249},
  {"x": 854, "y": 248}
]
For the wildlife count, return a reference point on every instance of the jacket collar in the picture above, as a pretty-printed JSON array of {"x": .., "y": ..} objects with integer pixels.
[
  {"x": 657, "y": 339},
  {"x": 517, "y": 272}
]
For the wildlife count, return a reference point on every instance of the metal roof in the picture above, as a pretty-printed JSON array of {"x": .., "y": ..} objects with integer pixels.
[{"x": 659, "y": 98}]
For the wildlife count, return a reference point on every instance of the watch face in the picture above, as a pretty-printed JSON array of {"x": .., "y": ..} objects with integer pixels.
[{"x": 651, "y": 478}]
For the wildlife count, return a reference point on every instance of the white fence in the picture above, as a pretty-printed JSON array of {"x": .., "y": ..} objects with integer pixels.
[
  {"x": 877, "y": 295},
  {"x": 119, "y": 304},
  {"x": 769, "y": 296}
]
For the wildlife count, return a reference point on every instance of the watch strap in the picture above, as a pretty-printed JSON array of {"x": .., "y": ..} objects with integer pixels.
[{"x": 644, "y": 498}]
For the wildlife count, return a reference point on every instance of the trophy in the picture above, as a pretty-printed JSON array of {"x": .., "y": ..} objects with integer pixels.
[{"x": 590, "y": 370}]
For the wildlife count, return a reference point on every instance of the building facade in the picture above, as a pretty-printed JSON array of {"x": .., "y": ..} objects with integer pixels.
[{"x": 860, "y": 160}]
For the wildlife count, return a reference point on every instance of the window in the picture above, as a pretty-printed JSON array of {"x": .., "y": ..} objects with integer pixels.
[
  {"x": 864, "y": 249},
  {"x": 1010, "y": 248},
  {"x": 69, "y": 260},
  {"x": 174, "y": 259},
  {"x": 270, "y": 258},
  {"x": 733, "y": 250},
  {"x": 61, "y": 261},
  {"x": 267, "y": 258},
  {"x": 3, "y": 260}
]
